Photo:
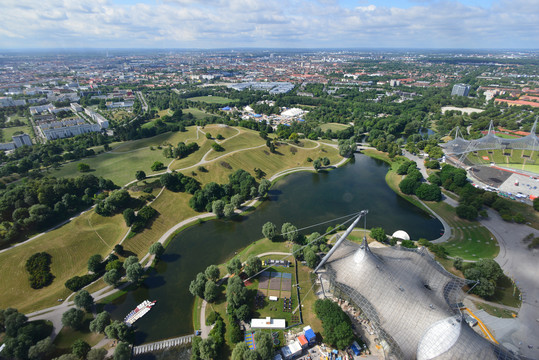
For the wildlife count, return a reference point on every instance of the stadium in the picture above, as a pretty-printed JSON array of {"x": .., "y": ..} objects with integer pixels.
[
  {"x": 412, "y": 302},
  {"x": 509, "y": 165}
]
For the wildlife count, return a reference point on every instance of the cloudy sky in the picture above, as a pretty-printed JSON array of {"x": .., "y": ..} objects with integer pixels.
[{"x": 269, "y": 23}]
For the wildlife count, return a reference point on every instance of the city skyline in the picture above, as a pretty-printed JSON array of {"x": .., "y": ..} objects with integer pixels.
[{"x": 426, "y": 24}]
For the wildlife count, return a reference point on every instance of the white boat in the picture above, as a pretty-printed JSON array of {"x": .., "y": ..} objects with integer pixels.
[{"x": 141, "y": 310}]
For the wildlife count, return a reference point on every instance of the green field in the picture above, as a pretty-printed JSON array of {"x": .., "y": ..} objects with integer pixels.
[
  {"x": 198, "y": 114},
  {"x": 7, "y": 133},
  {"x": 510, "y": 158},
  {"x": 70, "y": 247},
  {"x": 245, "y": 140},
  {"x": 470, "y": 240},
  {"x": 333, "y": 126},
  {"x": 212, "y": 99},
  {"x": 123, "y": 161}
]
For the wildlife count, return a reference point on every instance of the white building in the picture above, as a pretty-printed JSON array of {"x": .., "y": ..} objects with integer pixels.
[{"x": 268, "y": 323}]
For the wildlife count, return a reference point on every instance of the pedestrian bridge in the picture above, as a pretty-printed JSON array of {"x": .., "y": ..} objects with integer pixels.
[{"x": 160, "y": 345}]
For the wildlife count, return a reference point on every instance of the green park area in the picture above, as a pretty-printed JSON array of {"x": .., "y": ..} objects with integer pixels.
[
  {"x": 8, "y": 132},
  {"x": 121, "y": 163},
  {"x": 70, "y": 246},
  {"x": 212, "y": 99},
  {"x": 333, "y": 127}
]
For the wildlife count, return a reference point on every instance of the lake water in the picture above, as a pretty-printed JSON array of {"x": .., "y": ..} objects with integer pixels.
[{"x": 303, "y": 199}]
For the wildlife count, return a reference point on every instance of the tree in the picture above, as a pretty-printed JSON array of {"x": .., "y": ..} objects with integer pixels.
[
  {"x": 234, "y": 266},
  {"x": 198, "y": 285},
  {"x": 310, "y": 257},
  {"x": 119, "y": 330},
  {"x": 236, "y": 294},
  {"x": 134, "y": 272},
  {"x": 457, "y": 263},
  {"x": 218, "y": 207},
  {"x": 207, "y": 348},
  {"x": 325, "y": 161},
  {"x": 211, "y": 291},
  {"x": 429, "y": 192},
  {"x": 112, "y": 277},
  {"x": 95, "y": 263},
  {"x": 289, "y": 232},
  {"x": 82, "y": 167},
  {"x": 73, "y": 318},
  {"x": 536, "y": 204},
  {"x": 212, "y": 273},
  {"x": 347, "y": 147},
  {"x": 253, "y": 265},
  {"x": 317, "y": 164},
  {"x": 487, "y": 272},
  {"x": 243, "y": 312},
  {"x": 140, "y": 175},
  {"x": 236, "y": 201},
  {"x": 96, "y": 354},
  {"x": 378, "y": 234},
  {"x": 129, "y": 216},
  {"x": 228, "y": 211},
  {"x": 240, "y": 351},
  {"x": 80, "y": 348},
  {"x": 408, "y": 185},
  {"x": 158, "y": 165},
  {"x": 264, "y": 344},
  {"x": 130, "y": 261},
  {"x": 269, "y": 230},
  {"x": 264, "y": 187},
  {"x": 157, "y": 249},
  {"x": 119, "y": 249},
  {"x": 101, "y": 321},
  {"x": 67, "y": 357},
  {"x": 41, "y": 349},
  {"x": 122, "y": 351},
  {"x": 467, "y": 212},
  {"x": 83, "y": 300}
]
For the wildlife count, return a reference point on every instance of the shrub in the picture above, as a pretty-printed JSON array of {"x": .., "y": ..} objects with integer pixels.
[
  {"x": 38, "y": 267},
  {"x": 78, "y": 282},
  {"x": 158, "y": 165}
]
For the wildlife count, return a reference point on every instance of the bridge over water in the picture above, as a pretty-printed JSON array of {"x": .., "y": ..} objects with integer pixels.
[{"x": 164, "y": 344}]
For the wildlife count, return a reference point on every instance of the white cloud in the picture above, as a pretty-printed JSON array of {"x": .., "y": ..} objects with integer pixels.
[{"x": 266, "y": 23}]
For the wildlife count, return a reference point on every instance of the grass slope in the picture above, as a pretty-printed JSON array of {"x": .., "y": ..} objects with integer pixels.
[
  {"x": 122, "y": 162},
  {"x": 70, "y": 247},
  {"x": 333, "y": 126},
  {"x": 212, "y": 99}
]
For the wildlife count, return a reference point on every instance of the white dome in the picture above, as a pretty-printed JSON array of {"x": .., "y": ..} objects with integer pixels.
[
  {"x": 401, "y": 234},
  {"x": 438, "y": 338}
]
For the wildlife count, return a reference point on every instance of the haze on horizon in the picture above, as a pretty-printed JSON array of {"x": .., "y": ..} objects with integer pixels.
[{"x": 473, "y": 24}]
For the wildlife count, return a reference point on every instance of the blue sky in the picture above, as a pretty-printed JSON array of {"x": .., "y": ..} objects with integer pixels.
[{"x": 269, "y": 23}]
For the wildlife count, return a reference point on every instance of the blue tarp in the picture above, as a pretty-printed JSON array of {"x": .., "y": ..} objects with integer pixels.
[
  {"x": 355, "y": 350},
  {"x": 310, "y": 335},
  {"x": 226, "y": 108}
]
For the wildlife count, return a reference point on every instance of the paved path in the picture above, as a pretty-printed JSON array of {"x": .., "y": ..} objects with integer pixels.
[{"x": 420, "y": 162}]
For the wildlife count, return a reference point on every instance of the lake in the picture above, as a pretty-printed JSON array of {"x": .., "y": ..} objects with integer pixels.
[{"x": 302, "y": 199}]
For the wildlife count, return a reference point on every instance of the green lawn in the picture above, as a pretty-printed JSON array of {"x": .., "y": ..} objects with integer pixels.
[
  {"x": 494, "y": 311},
  {"x": 470, "y": 240},
  {"x": 198, "y": 114},
  {"x": 333, "y": 126},
  {"x": 245, "y": 140},
  {"x": 212, "y": 99},
  {"x": 70, "y": 247},
  {"x": 7, "y": 133},
  {"x": 123, "y": 161}
]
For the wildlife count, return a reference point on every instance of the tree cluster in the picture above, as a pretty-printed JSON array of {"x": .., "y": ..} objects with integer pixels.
[
  {"x": 24, "y": 340},
  {"x": 39, "y": 270},
  {"x": 36, "y": 204},
  {"x": 240, "y": 183},
  {"x": 336, "y": 324}
]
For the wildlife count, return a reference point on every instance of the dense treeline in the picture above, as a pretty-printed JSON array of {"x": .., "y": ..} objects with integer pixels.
[{"x": 36, "y": 204}]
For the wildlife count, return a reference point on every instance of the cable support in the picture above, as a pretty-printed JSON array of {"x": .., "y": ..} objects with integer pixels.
[{"x": 310, "y": 242}]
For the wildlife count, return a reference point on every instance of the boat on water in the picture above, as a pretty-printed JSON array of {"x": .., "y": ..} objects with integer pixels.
[{"x": 141, "y": 310}]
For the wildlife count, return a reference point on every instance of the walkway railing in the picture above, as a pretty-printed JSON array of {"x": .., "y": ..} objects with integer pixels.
[{"x": 164, "y": 344}]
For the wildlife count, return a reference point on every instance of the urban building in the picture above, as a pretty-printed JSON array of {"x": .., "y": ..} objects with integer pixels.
[{"x": 460, "y": 90}]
